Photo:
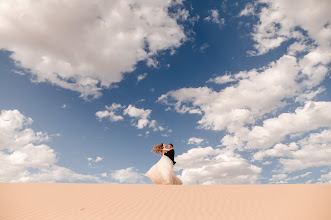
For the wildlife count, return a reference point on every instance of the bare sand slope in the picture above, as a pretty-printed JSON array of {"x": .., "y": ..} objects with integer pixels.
[{"x": 157, "y": 202}]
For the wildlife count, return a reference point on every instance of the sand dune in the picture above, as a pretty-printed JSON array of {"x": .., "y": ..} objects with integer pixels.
[{"x": 130, "y": 201}]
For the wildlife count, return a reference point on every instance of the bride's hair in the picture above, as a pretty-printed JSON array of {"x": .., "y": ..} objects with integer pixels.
[{"x": 157, "y": 148}]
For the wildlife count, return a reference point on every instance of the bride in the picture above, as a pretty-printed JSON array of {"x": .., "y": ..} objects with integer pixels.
[{"x": 162, "y": 172}]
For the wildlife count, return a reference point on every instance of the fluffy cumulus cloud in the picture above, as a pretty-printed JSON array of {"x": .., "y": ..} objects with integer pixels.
[
  {"x": 308, "y": 24},
  {"x": 194, "y": 140},
  {"x": 272, "y": 109},
  {"x": 110, "y": 112},
  {"x": 91, "y": 161},
  {"x": 277, "y": 178},
  {"x": 311, "y": 116},
  {"x": 280, "y": 19},
  {"x": 314, "y": 151},
  {"x": 25, "y": 158},
  {"x": 222, "y": 112},
  {"x": 226, "y": 78},
  {"x": 209, "y": 166},
  {"x": 242, "y": 103},
  {"x": 214, "y": 17},
  {"x": 248, "y": 10},
  {"x": 128, "y": 175},
  {"x": 155, "y": 126},
  {"x": 140, "y": 116},
  {"x": 85, "y": 45},
  {"x": 326, "y": 178},
  {"x": 246, "y": 101},
  {"x": 283, "y": 178}
]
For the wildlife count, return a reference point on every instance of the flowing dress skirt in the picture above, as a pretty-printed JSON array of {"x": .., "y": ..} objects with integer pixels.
[{"x": 163, "y": 172}]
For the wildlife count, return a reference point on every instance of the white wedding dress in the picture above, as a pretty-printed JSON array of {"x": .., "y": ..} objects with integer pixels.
[{"x": 163, "y": 172}]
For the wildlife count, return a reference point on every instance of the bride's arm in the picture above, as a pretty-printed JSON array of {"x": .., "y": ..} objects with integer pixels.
[{"x": 164, "y": 150}]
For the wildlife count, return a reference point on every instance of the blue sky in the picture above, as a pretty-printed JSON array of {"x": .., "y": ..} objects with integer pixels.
[{"x": 241, "y": 89}]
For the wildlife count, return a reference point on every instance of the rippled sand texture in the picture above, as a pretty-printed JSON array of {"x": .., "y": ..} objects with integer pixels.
[{"x": 130, "y": 201}]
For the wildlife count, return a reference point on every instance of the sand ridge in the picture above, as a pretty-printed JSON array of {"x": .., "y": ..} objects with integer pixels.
[{"x": 149, "y": 201}]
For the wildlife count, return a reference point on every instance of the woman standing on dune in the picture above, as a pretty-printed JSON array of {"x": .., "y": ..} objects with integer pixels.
[{"x": 163, "y": 171}]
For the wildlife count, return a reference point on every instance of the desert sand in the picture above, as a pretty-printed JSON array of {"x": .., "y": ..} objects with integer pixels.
[{"x": 149, "y": 201}]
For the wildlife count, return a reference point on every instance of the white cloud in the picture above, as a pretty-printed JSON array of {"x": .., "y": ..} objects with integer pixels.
[
  {"x": 64, "y": 106},
  {"x": 314, "y": 66},
  {"x": 283, "y": 178},
  {"x": 141, "y": 77},
  {"x": 278, "y": 177},
  {"x": 110, "y": 112},
  {"x": 15, "y": 133},
  {"x": 52, "y": 174},
  {"x": 114, "y": 107},
  {"x": 229, "y": 78},
  {"x": 194, "y": 140},
  {"x": 22, "y": 153},
  {"x": 215, "y": 17},
  {"x": 128, "y": 175},
  {"x": 96, "y": 160},
  {"x": 309, "y": 95},
  {"x": 279, "y": 150},
  {"x": 267, "y": 162},
  {"x": 326, "y": 178},
  {"x": 204, "y": 47},
  {"x": 243, "y": 103},
  {"x": 181, "y": 14},
  {"x": 315, "y": 152},
  {"x": 249, "y": 109},
  {"x": 85, "y": 46},
  {"x": 312, "y": 116},
  {"x": 222, "y": 79},
  {"x": 305, "y": 174},
  {"x": 256, "y": 94},
  {"x": 280, "y": 18},
  {"x": 56, "y": 135},
  {"x": 208, "y": 166},
  {"x": 154, "y": 125},
  {"x": 311, "y": 151},
  {"x": 298, "y": 176},
  {"x": 141, "y": 117},
  {"x": 311, "y": 69},
  {"x": 248, "y": 10},
  {"x": 299, "y": 47},
  {"x": 141, "y": 114},
  {"x": 137, "y": 112},
  {"x": 18, "y": 72}
]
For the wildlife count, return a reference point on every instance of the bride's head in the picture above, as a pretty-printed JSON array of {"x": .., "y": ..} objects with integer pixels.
[{"x": 158, "y": 148}]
